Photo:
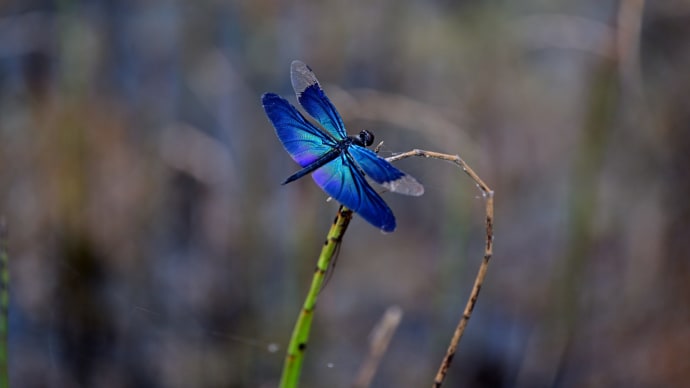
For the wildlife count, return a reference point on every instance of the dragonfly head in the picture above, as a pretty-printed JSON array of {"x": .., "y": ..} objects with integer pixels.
[{"x": 365, "y": 138}]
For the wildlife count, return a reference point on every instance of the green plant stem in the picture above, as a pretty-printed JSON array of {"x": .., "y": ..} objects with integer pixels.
[
  {"x": 4, "y": 303},
  {"x": 300, "y": 334}
]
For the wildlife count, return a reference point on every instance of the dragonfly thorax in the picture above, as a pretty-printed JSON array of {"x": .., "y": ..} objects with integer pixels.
[{"x": 364, "y": 139}]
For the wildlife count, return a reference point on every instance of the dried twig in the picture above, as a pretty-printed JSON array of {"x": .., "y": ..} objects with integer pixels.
[
  {"x": 380, "y": 338},
  {"x": 488, "y": 252}
]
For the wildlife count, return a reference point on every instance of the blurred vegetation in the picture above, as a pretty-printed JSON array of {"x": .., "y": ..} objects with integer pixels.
[{"x": 152, "y": 245}]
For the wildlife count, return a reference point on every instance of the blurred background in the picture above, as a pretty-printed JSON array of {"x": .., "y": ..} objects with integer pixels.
[{"x": 152, "y": 245}]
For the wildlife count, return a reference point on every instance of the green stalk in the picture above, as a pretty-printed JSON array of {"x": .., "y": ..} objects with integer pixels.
[
  {"x": 4, "y": 302},
  {"x": 300, "y": 334}
]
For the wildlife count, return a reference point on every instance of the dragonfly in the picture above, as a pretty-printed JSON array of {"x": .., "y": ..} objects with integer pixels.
[{"x": 338, "y": 163}]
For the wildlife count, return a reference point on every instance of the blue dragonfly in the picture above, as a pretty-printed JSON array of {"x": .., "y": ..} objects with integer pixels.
[{"x": 339, "y": 163}]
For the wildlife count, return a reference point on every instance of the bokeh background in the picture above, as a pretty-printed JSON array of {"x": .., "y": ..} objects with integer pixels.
[{"x": 152, "y": 245}]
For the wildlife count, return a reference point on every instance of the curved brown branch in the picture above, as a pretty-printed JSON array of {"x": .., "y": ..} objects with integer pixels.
[{"x": 488, "y": 195}]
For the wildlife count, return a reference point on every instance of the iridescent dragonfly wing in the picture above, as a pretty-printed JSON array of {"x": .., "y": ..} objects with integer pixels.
[
  {"x": 302, "y": 140},
  {"x": 383, "y": 173},
  {"x": 337, "y": 164},
  {"x": 314, "y": 100},
  {"x": 342, "y": 180}
]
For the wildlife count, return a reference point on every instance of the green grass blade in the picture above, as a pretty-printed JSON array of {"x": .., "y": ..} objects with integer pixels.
[{"x": 300, "y": 334}]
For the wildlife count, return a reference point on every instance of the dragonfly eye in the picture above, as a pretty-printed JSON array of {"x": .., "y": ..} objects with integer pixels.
[{"x": 366, "y": 137}]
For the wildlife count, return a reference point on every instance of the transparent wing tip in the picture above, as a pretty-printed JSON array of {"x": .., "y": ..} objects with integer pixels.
[
  {"x": 298, "y": 64},
  {"x": 302, "y": 77},
  {"x": 406, "y": 185}
]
